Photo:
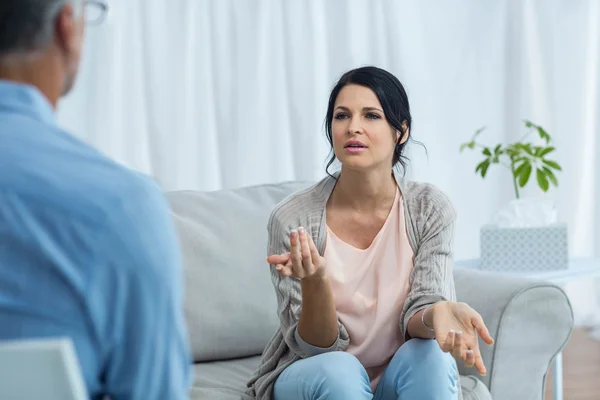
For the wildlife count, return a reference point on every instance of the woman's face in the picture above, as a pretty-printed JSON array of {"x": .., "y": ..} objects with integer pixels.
[{"x": 362, "y": 136}]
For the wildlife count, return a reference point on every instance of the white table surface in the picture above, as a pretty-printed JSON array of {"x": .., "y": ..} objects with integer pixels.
[{"x": 579, "y": 268}]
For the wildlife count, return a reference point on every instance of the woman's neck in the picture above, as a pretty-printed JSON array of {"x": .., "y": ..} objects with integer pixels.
[{"x": 365, "y": 190}]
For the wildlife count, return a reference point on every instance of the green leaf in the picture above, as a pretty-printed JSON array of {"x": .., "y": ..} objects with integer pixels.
[
  {"x": 478, "y": 131},
  {"x": 497, "y": 149},
  {"x": 519, "y": 169},
  {"x": 520, "y": 159},
  {"x": 470, "y": 145},
  {"x": 487, "y": 152},
  {"x": 543, "y": 134},
  {"x": 482, "y": 167},
  {"x": 550, "y": 176},
  {"x": 552, "y": 164},
  {"x": 529, "y": 124},
  {"x": 525, "y": 147},
  {"x": 513, "y": 149},
  {"x": 525, "y": 174},
  {"x": 537, "y": 151},
  {"x": 546, "y": 151},
  {"x": 542, "y": 180}
]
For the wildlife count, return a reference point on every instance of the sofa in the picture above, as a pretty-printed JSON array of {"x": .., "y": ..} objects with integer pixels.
[{"x": 230, "y": 304}]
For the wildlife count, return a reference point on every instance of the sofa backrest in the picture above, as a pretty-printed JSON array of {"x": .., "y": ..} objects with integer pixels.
[{"x": 230, "y": 304}]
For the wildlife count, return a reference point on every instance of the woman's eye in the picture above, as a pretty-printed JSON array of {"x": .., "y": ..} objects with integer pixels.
[
  {"x": 373, "y": 116},
  {"x": 341, "y": 116}
]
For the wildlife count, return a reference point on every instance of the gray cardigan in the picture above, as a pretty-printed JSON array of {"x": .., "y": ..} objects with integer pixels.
[{"x": 430, "y": 221}]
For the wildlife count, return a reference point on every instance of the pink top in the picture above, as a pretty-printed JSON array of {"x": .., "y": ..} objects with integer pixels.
[{"x": 369, "y": 288}]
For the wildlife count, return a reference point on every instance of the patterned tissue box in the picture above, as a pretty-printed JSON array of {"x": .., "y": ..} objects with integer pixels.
[{"x": 524, "y": 249}]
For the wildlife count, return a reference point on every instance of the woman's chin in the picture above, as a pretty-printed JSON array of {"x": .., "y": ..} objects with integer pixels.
[{"x": 356, "y": 163}]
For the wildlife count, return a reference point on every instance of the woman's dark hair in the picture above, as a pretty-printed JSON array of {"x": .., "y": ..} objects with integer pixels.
[{"x": 391, "y": 95}]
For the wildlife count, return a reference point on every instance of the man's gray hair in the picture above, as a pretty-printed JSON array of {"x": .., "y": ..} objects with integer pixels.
[{"x": 28, "y": 25}]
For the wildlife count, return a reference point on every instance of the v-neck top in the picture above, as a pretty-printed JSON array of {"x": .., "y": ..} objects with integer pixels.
[{"x": 370, "y": 287}]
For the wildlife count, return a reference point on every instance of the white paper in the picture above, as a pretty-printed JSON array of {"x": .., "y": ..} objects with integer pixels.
[{"x": 527, "y": 213}]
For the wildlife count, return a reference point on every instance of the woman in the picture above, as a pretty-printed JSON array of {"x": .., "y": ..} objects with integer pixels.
[{"x": 362, "y": 268}]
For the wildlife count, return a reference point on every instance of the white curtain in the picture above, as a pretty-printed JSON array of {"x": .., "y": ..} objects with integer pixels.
[{"x": 214, "y": 94}]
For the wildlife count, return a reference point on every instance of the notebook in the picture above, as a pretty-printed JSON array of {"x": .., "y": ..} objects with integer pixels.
[{"x": 40, "y": 369}]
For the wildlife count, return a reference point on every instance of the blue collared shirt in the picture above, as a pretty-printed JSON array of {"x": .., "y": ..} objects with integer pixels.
[{"x": 88, "y": 250}]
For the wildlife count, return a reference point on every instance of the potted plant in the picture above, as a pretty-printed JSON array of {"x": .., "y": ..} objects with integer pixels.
[
  {"x": 525, "y": 238},
  {"x": 521, "y": 158}
]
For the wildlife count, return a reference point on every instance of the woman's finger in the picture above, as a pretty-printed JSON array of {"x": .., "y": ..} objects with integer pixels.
[
  {"x": 479, "y": 362},
  {"x": 457, "y": 349},
  {"x": 278, "y": 258},
  {"x": 470, "y": 359},
  {"x": 448, "y": 342},
  {"x": 482, "y": 330},
  {"x": 314, "y": 253},
  {"x": 284, "y": 270},
  {"x": 305, "y": 251},
  {"x": 295, "y": 255}
]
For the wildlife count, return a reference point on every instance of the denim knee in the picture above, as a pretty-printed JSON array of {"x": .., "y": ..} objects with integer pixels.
[
  {"x": 425, "y": 355},
  {"x": 332, "y": 376},
  {"x": 341, "y": 371}
]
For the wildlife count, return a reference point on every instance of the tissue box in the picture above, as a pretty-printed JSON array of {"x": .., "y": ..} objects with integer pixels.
[{"x": 524, "y": 249}]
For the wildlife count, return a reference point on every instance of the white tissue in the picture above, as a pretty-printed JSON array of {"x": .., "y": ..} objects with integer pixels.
[{"x": 527, "y": 213}]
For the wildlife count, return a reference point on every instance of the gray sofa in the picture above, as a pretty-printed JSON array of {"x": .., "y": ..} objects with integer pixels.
[{"x": 230, "y": 303}]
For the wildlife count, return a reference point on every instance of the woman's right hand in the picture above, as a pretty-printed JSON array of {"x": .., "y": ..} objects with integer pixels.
[{"x": 303, "y": 261}]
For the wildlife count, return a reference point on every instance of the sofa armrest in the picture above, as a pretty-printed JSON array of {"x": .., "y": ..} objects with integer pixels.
[{"x": 530, "y": 322}]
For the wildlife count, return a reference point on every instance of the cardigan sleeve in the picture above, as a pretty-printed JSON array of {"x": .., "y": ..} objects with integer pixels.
[
  {"x": 289, "y": 292},
  {"x": 432, "y": 279}
]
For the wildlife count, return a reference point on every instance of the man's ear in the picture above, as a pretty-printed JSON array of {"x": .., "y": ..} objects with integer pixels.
[
  {"x": 402, "y": 137},
  {"x": 67, "y": 29}
]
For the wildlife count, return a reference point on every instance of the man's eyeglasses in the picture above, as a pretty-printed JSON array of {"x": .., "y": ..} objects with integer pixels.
[{"x": 95, "y": 11}]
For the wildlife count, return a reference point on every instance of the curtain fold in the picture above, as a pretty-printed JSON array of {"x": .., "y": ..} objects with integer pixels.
[{"x": 205, "y": 94}]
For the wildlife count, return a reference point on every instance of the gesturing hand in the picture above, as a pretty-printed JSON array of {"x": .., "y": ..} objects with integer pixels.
[
  {"x": 303, "y": 260},
  {"x": 456, "y": 328}
]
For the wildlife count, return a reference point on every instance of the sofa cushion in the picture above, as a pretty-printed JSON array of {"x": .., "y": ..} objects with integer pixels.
[
  {"x": 223, "y": 380},
  {"x": 226, "y": 380},
  {"x": 474, "y": 389},
  {"x": 230, "y": 305}
]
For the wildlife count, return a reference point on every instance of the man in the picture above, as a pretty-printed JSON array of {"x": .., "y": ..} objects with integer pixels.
[{"x": 87, "y": 247}]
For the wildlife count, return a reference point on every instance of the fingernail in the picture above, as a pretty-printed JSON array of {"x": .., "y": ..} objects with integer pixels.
[
  {"x": 301, "y": 230},
  {"x": 459, "y": 332},
  {"x": 278, "y": 267},
  {"x": 452, "y": 331}
]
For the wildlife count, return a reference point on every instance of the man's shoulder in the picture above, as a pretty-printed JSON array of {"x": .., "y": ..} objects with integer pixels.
[{"x": 64, "y": 176}]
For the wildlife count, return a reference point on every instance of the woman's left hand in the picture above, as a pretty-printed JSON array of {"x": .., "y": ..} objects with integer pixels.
[{"x": 456, "y": 328}]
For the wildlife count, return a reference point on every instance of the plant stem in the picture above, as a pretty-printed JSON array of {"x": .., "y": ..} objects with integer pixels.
[{"x": 514, "y": 178}]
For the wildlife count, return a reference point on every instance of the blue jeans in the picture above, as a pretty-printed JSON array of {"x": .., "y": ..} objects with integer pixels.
[{"x": 418, "y": 370}]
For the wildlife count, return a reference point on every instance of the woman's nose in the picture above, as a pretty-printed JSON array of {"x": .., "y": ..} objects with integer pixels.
[{"x": 355, "y": 126}]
